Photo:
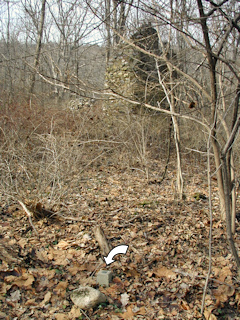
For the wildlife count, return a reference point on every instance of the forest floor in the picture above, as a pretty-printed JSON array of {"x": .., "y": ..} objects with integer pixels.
[{"x": 163, "y": 273}]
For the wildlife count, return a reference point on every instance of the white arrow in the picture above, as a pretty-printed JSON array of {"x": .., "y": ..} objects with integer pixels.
[{"x": 119, "y": 249}]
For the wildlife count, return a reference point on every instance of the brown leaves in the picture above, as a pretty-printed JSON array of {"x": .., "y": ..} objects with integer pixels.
[
  {"x": 162, "y": 274},
  {"x": 128, "y": 314},
  {"x": 222, "y": 293},
  {"x": 9, "y": 253}
]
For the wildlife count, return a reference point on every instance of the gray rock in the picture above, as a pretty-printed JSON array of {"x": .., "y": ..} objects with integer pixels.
[{"x": 87, "y": 297}]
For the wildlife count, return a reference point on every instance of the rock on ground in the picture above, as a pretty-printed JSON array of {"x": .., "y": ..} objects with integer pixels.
[{"x": 87, "y": 297}]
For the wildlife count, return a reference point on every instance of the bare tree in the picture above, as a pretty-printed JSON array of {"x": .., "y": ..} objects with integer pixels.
[
  {"x": 108, "y": 27},
  {"x": 115, "y": 20},
  {"x": 38, "y": 46}
]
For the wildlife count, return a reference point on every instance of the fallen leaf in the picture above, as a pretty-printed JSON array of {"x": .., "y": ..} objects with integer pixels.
[
  {"x": 208, "y": 313},
  {"x": 184, "y": 305},
  {"x": 223, "y": 292},
  {"x": 15, "y": 296},
  {"x": 128, "y": 314},
  {"x": 141, "y": 311},
  {"x": 25, "y": 280},
  {"x": 74, "y": 313},
  {"x": 42, "y": 256},
  {"x": 164, "y": 272},
  {"x": 61, "y": 316},
  {"x": 46, "y": 299},
  {"x": 62, "y": 244},
  {"x": 224, "y": 273},
  {"x": 31, "y": 302}
]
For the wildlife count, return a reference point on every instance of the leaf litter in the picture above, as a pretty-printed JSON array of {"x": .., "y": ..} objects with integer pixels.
[{"x": 163, "y": 274}]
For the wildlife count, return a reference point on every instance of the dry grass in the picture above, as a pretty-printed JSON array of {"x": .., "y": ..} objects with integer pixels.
[
  {"x": 46, "y": 152},
  {"x": 43, "y": 149}
]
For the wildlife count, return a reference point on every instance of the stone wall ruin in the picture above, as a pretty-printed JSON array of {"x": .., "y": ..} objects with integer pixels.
[{"x": 133, "y": 73}]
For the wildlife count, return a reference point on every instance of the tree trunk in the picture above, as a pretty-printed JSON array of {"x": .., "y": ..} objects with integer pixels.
[
  {"x": 107, "y": 24},
  {"x": 213, "y": 85},
  {"x": 232, "y": 172},
  {"x": 38, "y": 47},
  {"x": 171, "y": 101},
  {"x": 227, "y": 192}
]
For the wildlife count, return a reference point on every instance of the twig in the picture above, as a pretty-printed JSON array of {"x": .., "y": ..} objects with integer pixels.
[
  {"x": 92, "y": 273},
  {"x": 201, "y": 152},
  {"x": 131, "y": 220},
  {"x": 84, "y": 314},
  {"x": 103, "y": 242},
  {"x": 186, "y": 274},
  {"x": 29, "y": 214},
  {"x": 211, "y": 224}
]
